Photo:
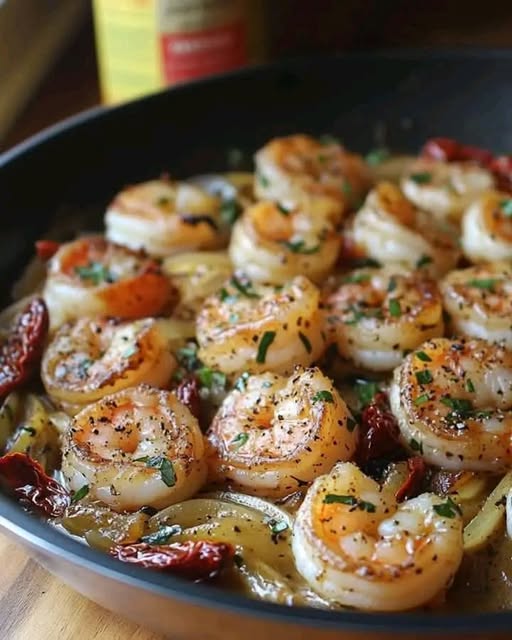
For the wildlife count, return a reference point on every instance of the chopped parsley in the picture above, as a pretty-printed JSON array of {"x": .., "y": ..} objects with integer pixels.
[
  {"x": 421, "y": 178},
  {"x": 187, "y": 356},
  {"x": 459, "y": 405},
  {"x": 95, "y": 272},
  {"x": 506, "y": 207},
  {"x": 391, "y": 285},
  {"x": 210, "y": 378},
  {"x": 365, "y": 262},
  {"x": 299, "y": 246},
  {"x": 424, "y": 376},
  {"x": 486, "y": 284},
  {"x": 305, "y": 341},
  {"x": 225, "y": 296},
  {"x": 30, "y": 430},
  {"x": 416, "y": 445},
  {"x": 230, "y": 209},
  {"x": 366, "y": 391},
  {"x": 164, "y": 465},
  {"x": 323, "y": 396},
  {"x": 245, "y": 288},
  {"x": 239, "y": 440},
  {"x": 80, "y": 494},
  {"x": 423, "y": 261},
  {"x": 354, "y": 278},
  {"x": 421, "y": 399},
  {"x": 424, "y": 357},
  {"x": 448, "y": 509},
  {"x": 363, "y": 505},
  {"x": 377, "y": 156},
  {"x": 278, "y": 527},
  {"x": 283, "y": 209},
  {"x": 265, "y": 342},
  {"x": 262, "y": 179},
  {"x": 470, "y": 386},
  {"x": 163, "y": 535},
  {"x": 394, "y": 308}
]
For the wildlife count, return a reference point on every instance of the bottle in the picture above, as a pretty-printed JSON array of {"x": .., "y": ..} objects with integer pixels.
[{"x": 145, "y": 45}]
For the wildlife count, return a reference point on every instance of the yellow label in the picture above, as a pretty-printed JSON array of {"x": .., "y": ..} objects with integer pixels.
[
  {"x": 195, "y": 15},
  {"x": 128, "y": 48}
]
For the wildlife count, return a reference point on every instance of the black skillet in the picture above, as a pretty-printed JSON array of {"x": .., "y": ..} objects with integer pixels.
[{"x": 395, "y": 99}]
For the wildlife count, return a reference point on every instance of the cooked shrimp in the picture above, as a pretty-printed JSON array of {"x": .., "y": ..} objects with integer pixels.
[
  {"x": 273, "y": 244},
  {"x": 392, "y": 231},
  {"x": 453, "y": 403},
  {"x": 272, "y": 434},
  {"x": 92, "y": 277},
  {"x": 487, "y": 228},
  {"x": 197, "y": 275},
  {"x": 479, "y": 301},
  {"x": 88, "y": 359},
  {"x": 355, "y": 545},
  {"x": 445, "y": 189},
  {"x": 164, "y": 217},
  {"x": 378, "y": 314},
  {"x": 299, "y": 171},
  {"x": 137, "y": 447},
  {"x": 258, "y": 328}
]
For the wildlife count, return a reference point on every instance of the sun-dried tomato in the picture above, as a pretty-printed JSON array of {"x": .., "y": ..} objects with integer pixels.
[
  {"x": 501, "y": 168},
  {"x": 26, "y": 479},
  {"x": 188, "y": 393},
  {"x": 193, "y": 559},
  {"x": 22, "y": 350},
  {"x": 46, "y": 249},
  {"x": 417, "y": 468},
  {"x": 379, "y": 432},
  {"x": 449, "y": 150}
]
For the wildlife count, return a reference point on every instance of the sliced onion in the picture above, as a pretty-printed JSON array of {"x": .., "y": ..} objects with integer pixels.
[{"x": 489, "y": 519}]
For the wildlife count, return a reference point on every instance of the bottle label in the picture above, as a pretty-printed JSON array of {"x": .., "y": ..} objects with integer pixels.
[{"x": 192, "y": 54}]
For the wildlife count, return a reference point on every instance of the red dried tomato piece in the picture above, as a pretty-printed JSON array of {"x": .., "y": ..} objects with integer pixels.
[
  {"x": 187, "y": 392},
  {"x": 46, "y": 249},
  {"x": 449, "y": 150},
  {"x": 417, "y": 469},
  {"x": 196, "y": 560},
  {"x": 26, "y": 479},
  {"x": 22, "y": 350},
  {"x": 501, "y": 168},
  {"x": 379, "y": 434}
]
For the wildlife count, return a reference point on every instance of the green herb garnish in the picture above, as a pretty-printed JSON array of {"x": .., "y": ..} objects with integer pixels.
[
  {"x": 470, "y": 386},
  {"x": 230, "y": 209},
  {"x": 81, "y": 493},
  {"x": 278, "y": 527},
  {"x": 506, "y": 207},
  {"x": 299, "y": 246},
  {"x": 423, "y": 261},
  {"x": 351, "y": 424},
  {"x": 323, "y": 396},
  {"x": 84, "y": 367},
  {"x": 486, "y": 284},
  {"x": 424, "y": 397},
  {"x": 459, "y": 405},
  {"x": 421, "y": 178},
  {"x": 283, "y": 209},
  {"x": 363, "y": 505},
  {"x": 95, "y": 272},
  {"x": 265, "y": 342},
  {"x": 187, "y": 357},
  {"x": 245, "y": 288},
  {"x": 421, "y": 355},
  {"x": 164, "y": 465},
  {"x": 416, "y": 445},
  {"x": 448, "y": 509},
  {"x": 424, "y": 376},
  {"x": 354, "y": 278},
  {"x": 394, "y": 308},
  {"x": 391, "y": 285},
  {"x": 210, "y": 378},
  {"x": 239, "y": 440},
  {"x": 366, "y": 391},
  {"x": 377, "y": 156},
  {"x": 262, "y": 179},
  {"x": 346, "y": 187}
]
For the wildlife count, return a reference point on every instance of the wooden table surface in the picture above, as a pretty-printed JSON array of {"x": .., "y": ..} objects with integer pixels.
[{"x": 36, "y": 606}]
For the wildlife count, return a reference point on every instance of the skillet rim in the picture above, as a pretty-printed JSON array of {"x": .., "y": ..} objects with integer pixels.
[{"x": 46, "y": 538}]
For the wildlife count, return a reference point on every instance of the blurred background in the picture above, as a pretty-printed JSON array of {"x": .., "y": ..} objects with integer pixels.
[{"x": 58, "y": 57}]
